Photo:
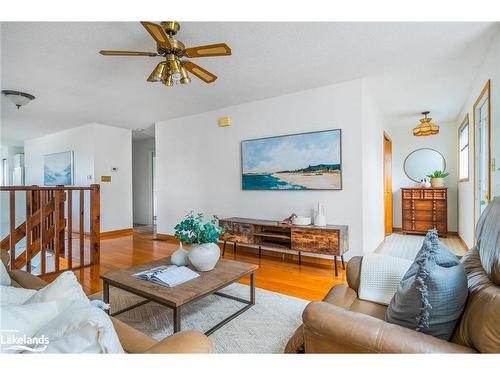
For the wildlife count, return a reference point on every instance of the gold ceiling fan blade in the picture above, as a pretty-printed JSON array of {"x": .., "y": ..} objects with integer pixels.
[
  {"x": 158, "y": 34},
  {"x": 127, "y": 53},
  {"x": 220, "y": 49},
  {"x": 199, "y": 72}
]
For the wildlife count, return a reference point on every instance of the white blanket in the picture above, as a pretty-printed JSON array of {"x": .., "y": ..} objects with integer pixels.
[{"x": 380, "y": 277}]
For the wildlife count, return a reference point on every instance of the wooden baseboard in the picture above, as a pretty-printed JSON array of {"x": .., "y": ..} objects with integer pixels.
[
  {"x": 166, "y": 237},
  {"x": 117, "y": 233},
  {"x": 400, "y": 230},
  {"x": 462, "y": 242}
]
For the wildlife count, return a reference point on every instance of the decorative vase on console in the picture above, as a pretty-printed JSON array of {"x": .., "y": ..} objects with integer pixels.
[
  {"x": 204, "y": 252},
  {"x": 180, "y": 257},
  {"x": 320, "y": 219}
]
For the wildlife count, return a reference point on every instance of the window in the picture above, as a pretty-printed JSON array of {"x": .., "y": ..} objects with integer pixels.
[
  {"x": 482, "y": 129},
  {"x": 463, "y": 150}
]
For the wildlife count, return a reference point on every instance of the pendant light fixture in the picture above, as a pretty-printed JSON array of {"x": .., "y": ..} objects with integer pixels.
[
  {"x": 426, "y": 127},
  {"x": 17, "y": 97}
]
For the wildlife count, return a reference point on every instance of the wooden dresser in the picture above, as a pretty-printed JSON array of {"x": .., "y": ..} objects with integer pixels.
[
  {"x": 273, "y": 235},
  {"x": 424, "y": 209}
]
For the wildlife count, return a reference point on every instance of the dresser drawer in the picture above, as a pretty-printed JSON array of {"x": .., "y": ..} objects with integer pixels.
[
  {"x": 425, "y": 205},
  {"x": 423, "y": 226}
]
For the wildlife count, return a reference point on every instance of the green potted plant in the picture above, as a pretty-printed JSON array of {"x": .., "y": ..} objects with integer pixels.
[
  {"x": 204, "y": 252},
  {"x": 437, "y": 178}
]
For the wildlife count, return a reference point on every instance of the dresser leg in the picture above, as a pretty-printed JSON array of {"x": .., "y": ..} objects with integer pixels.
[
  {"x": 343, "y": 263},
  {"x": 336, "y": 266},
  {"x": 224, "y": 248}
]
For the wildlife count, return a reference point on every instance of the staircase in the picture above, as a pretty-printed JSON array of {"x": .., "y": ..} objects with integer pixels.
[{"x": 49, "y": 227}]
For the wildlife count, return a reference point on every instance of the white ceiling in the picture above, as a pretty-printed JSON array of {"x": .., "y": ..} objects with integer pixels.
[{"x": 412, "y": 67}]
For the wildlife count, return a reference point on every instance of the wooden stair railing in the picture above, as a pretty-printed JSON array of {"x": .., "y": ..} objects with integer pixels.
[{"x": 49, "y": 217}]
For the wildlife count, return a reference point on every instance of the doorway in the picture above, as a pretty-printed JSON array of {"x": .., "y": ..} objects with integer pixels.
[
  {"x": 153, "y": 188},
  {"x": 482, "y": 152},
  {"x": 387, "y": 185}
]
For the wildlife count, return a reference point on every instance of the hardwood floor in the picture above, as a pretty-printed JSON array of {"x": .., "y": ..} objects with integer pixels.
[{"x": 277, "y": 272}]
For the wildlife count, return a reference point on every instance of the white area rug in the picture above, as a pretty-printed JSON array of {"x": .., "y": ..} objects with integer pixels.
[
  {"x": 264, "y": 328},
  {"x": 407, "y": 246}
]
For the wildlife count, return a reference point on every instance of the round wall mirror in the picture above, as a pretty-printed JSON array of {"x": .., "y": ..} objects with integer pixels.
[{"x": 422, "y": 162}]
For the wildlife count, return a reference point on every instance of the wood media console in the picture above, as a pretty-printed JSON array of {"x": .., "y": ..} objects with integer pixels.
[{"x": 273, "y": 235}]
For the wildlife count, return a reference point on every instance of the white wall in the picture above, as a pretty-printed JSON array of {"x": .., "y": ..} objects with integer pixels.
[
  {"x": 373, "y": 170},
  {"x": 199, "y": 165},
  {"x": 8, "y": 152},
  {"x": 403, "y": 143},
  {"x": 96, "y": 148},
  {"x": 490, "y": 69},
  {"x": 142, "y": 173},
  {"x": 113, "y": 149},
  {"x": 80, "y": 140}
]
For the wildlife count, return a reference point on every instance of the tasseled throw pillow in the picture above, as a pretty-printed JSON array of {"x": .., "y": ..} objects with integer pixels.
[{"x": 432, "y": 294}]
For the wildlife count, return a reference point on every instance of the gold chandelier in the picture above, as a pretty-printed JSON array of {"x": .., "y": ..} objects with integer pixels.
[{"x": 426, "y": 127}]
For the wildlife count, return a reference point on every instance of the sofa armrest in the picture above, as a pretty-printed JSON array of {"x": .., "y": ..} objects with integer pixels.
[
  {"x": 331, "y": 329},
  {"x": 186, "y": 342},
  {"x": 27, "y": 280},
  {"x": 353, "y": 272}
]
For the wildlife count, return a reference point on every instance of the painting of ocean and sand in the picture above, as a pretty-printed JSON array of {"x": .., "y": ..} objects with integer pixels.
[{"x": 307, "y": 161}]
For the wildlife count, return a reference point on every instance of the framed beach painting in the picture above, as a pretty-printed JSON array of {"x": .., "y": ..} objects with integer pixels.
[
  {"x": 58, "y": 169},
  {"x": 306, "y": 161}
]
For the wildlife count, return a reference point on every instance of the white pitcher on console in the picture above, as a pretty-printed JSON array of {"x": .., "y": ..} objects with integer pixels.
[{"x": 320, "y": 219}]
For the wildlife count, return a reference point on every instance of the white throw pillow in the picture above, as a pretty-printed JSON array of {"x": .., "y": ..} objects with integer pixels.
[
  {"x": 380, "y": 277},
  {"x": 65, "y": 287},
  {"x": 81, "y": 328},
  {"x": 20, "y": 322},
  {"x": 10, "y": 295},
  {"x": 4, "y": 276}
]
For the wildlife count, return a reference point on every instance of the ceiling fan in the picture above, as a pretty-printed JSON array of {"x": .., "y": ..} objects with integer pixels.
[{"x": 174, "y": 69}]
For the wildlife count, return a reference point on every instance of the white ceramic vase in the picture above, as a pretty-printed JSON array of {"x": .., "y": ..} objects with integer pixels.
[
  {"x": 204, "y": 256},
  {"x": 320, "y": 219},
  {"x": 180, "y": 257}
]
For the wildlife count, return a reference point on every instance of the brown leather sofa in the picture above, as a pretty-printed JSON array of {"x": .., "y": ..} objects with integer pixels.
[
  {"x": 343, "y": 323},
  {"x": 132, "y": 340}
]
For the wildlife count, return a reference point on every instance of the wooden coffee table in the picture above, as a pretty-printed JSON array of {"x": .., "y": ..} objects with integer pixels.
[{"x": 225, "y": 273}]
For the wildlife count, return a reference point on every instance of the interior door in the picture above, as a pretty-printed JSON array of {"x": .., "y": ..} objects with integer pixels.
[
  {"x": 482, "y": 154},
  {"x": 387, "y": 185}
]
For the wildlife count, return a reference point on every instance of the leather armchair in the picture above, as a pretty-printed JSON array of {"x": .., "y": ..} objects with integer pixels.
[{"x": 342, "y": 323}]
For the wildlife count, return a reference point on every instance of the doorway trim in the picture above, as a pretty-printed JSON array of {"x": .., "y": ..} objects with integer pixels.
[
  {"x": 485, "y": 90},
  {"x": 388, "y": 229}
]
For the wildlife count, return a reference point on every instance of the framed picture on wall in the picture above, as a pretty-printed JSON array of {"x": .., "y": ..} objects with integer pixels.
[
  {"x": 58, "y": 169},
  {"x": 306, "y": 161}
]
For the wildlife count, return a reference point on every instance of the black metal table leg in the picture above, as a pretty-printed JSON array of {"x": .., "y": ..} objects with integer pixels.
[
  {"x": 105, "y": 292},
  {"x": 336, "y": 266},
  {"x": 343, "y": 263},
  {"x": 252, "y": 288},
  {"x": 300, "y": 258},
  {"x": 260, "y": 252},
  {"x": 177, "y": 319},
  {"x": 235, "y": 247},
  {"x": 224, "y": 248}
]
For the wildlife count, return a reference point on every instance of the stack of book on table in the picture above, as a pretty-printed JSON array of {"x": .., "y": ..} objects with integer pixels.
[{"x": 168, "y": 275}]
